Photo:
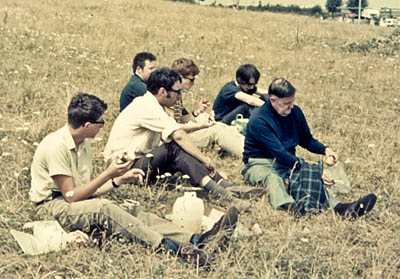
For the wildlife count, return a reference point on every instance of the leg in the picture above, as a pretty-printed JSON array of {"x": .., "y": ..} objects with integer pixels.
[
  {"x": 224, "y": 135},
  {"x": 263, "y": 171},
  {"x": 170, "y": 157},
  {"x": 109, "y": 216},
  {"x": 244, "y": 109}
]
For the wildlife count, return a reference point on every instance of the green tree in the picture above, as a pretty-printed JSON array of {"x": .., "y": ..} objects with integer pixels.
[
  {"x": 333, "y": 5},
  {"x": 353, "y": 5}
]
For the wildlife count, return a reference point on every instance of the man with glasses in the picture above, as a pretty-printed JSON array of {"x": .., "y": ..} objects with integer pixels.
[
  {"x": 273, "y": 133},
  {"x": 144, "y": 63},
  {"x": 157, "y": 142},
  {"x": 63, "y": 186},
  {"x": 240, "y": 96},
  {"x": 200, "y": 125}
]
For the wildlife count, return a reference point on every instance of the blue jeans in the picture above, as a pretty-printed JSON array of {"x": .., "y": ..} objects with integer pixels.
[
  {"x": 270, "y": 174},
  {"x": 244, "y": 109}
]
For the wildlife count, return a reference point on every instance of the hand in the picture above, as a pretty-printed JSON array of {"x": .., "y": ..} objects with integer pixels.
[
  {"x": 327, "y": 180},
  {"x": 115, "y": 169},
  {"x": 202, "y": 107},
  {"x": 133, "y": 175},
  {"x": 331, "y": 158},
  {"x": 205, "y": 120},
  {"x": 210, "y": 166}
]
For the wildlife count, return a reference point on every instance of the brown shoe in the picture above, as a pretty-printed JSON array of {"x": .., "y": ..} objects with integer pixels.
[
  {"x": 228, "y": 200},
  {"x": 193, "y": 255},
  {"x": 246, "y": 192},
  {"x": 221, "y": 232}
]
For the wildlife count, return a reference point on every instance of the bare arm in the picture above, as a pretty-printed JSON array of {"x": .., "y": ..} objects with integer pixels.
[
  {"x": 248, "y": 99},
  {"x": 203, "y": 121},
  {"x": 72, "y": 193}
]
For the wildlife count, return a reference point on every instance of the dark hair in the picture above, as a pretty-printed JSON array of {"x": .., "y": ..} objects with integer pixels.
[
  {"x": 246, "y": 72},
  {"x": 281, "y": 88},
  {"x": 163, "y": 77},
  {"x": 85, "y": 108},
  {"x": 185, "y": 67},
  {"x": 140, "y": 59}
]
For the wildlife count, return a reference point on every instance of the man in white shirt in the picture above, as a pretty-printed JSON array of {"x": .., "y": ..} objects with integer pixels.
[
  {"x": 144, "y": 127},
  {"x": 62, "y": 186}
]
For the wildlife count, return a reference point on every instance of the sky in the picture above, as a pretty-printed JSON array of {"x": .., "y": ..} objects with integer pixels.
[{"x": 310, "y": 3}]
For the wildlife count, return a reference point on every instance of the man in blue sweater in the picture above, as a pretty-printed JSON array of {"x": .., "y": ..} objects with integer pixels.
[{"x": 272, "y": 134}]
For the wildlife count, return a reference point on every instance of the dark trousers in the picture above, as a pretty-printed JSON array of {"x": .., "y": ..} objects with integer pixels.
[
  {"x": 170, "y": 157},
  {"x": 244, "y": 109}
]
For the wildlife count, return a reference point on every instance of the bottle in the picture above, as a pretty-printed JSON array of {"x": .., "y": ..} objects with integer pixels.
[{"x": 188, "y": 212}]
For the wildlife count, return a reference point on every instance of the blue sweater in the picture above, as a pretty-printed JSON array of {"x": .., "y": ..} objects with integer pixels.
[
  {"x": 269, "y": 135},
  {"x": 226, "y": 101}
]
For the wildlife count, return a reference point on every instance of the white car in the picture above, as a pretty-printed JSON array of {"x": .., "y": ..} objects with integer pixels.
[{"x": 390, "y": 22}]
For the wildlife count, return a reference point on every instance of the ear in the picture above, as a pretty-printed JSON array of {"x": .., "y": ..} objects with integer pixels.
[
  {"x": 272, "y": 99},
  {"x": 86, "y": 125}
]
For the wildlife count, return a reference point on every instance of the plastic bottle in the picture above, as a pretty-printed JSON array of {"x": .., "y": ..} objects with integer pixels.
[{"x": 188, "y": 212}]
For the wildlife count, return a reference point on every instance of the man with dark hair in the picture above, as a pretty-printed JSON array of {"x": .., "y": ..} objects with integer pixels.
[
  {"x": 159, "y": 145},
  {"x": 240, "y": 96},
  {"x": 62, "y": 186},
  {"x": 272, "y": 134},
  {"x": 144, "y": 63}
]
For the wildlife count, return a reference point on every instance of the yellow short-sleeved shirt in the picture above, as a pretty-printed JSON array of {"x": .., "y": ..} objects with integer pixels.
[
  {"x": 140, "y": 127},
  {"x": 58, "y": 155}
]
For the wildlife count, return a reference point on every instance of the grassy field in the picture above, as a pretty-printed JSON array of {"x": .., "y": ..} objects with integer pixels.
[{"x": 347, "y": 79}]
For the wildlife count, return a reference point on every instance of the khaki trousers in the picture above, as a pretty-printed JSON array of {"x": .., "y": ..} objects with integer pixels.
[
  {"x": 227, "y": 137},
  {"x": 132, "y": 221}
]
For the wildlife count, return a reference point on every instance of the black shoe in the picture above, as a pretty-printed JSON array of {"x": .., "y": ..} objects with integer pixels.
[
  {"x": 193, "y": 255},
  {"x": 221, "y": 232},
  {"x": 246, "y": 192},
  {"x": 356, "y": 209},
  {"x": 293, "y": 208}
]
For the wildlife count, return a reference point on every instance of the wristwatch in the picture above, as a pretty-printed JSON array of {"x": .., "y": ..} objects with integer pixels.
[{"x": 115, "y": 185}]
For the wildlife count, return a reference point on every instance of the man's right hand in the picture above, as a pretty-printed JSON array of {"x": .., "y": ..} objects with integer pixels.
[
  {"x": 205, "y": 120},
  {"x": 115, "y": 169}
]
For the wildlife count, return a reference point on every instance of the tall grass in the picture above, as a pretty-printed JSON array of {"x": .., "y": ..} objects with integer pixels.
[{"x": 52, "y": 49}]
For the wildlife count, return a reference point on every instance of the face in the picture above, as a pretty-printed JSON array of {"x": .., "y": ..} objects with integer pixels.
[
  {"x": 173, "y": 95},
  {"x": 283, "y": 106},
  {"x": 247, "y": 87},
  {"x": 149, "y": 67},
  {"x": 188, "y": 81},
  {"x": 93, "y": 128}
]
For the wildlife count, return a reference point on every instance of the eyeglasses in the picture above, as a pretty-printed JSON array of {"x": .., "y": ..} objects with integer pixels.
[
  {"x": 179, "y": 91},
  {"x": 101, "y": 122},
  {"x": 192, "y": 79},
  {"x": 248, "y": 83}
]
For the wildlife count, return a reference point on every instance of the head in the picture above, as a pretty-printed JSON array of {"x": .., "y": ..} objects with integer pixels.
[
  {"x": 165, "y": 85},
  {"x": 144, "y": 63},
  {"x": 188, "y": 71},
  {"x": 282, "y": 96},
  {"x": 85, "y": 111},
  {"x": 247, "y": 77}
]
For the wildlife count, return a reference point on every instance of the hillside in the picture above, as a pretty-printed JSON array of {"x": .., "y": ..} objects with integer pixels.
[{"x": 347, "y": 83}]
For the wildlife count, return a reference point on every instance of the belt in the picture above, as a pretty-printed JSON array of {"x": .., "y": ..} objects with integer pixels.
[{"x": 54, "y": 195}]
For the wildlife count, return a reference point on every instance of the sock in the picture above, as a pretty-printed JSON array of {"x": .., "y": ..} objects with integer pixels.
[
  {"x": 170, "y": 245},
  {"x": 215, "y": 190},
  {"x": 196, "y": 239},
  {"x": 217, "y": 177}
]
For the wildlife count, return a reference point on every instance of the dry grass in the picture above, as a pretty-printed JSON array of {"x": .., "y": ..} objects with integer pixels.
[{"x": 52, "y": 49}]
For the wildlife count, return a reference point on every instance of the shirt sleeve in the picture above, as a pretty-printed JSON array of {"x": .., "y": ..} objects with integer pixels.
[
  {"x": 307, "y": 141},
  {"x": 58, "y": 161},
  {"x": 160, "y": 122}
]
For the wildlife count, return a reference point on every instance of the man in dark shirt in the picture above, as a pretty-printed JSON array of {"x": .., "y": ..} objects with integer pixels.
[
  {"x": 272, "y": 134},
  {"x": 237, "y": 97},
  {"x": 144, "y": 63}
]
